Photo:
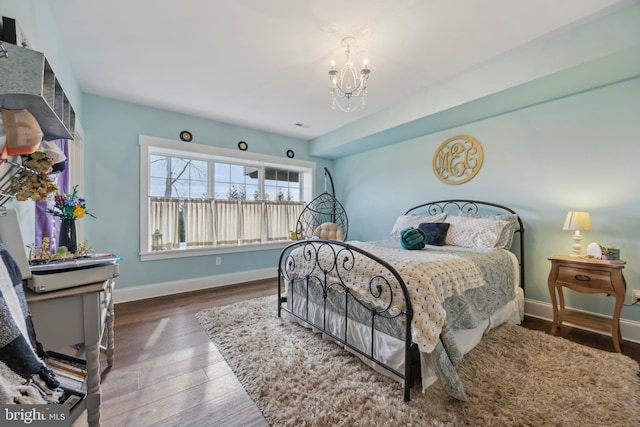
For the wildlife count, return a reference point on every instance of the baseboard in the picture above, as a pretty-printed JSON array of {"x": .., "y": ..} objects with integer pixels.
[
  {"x": 629, "y": 329},
  {"x": 169, "y": 288}
]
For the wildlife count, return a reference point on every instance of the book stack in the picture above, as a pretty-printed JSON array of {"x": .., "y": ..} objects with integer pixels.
[{"x": 71, "y": 372}]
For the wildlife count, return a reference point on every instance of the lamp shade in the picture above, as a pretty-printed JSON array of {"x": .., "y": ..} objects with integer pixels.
[{"x": 580, "y": 221}]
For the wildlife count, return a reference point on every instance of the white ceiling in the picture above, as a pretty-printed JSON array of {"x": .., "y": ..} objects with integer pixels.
[{"x": 263, "y": 63}]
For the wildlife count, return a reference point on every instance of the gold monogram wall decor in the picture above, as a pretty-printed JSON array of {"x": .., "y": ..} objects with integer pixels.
[{"x": 458, "y": 159}]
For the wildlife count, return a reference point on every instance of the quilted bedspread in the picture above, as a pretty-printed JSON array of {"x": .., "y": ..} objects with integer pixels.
[{"x": 432, "y": 276}]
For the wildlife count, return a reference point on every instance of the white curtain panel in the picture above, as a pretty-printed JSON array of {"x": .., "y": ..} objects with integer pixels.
[
  {"x": 165, "y": 216},
  {"x": 252, "y": 221},
  {"x": 198, "y": 222},
  {"x": 227, "y": 221},
  {"x": 281, "y": 219}
]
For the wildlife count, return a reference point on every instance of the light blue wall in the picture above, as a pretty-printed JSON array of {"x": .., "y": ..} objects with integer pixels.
[
  {"x": 576, "y": 153},
  {"x": 112, "y": 184}
]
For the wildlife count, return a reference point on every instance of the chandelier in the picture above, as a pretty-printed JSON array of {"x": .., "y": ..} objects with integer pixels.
[{"x": 348, "y": 83}]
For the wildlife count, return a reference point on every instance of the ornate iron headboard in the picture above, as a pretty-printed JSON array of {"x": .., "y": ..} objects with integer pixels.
[{"x": 476, "y": 207}]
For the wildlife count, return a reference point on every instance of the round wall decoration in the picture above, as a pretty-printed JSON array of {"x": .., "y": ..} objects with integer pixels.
[
  {"x": 458, "y": 159},
  {"x": 186, "y": 136},
  {"x": 242, "y": 146}
]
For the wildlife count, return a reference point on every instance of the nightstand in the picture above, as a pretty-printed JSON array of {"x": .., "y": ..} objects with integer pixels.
[{"x": 589, "y": 276}]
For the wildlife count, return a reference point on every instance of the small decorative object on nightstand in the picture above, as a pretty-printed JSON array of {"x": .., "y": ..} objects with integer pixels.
[{"x": 589, "y": 276}]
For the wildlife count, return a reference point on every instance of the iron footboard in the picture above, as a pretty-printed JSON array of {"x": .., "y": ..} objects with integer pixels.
[{"x": 325, "y": 270}]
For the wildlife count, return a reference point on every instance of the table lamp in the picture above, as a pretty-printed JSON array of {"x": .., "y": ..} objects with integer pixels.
[{"x": 577, "y": 221}]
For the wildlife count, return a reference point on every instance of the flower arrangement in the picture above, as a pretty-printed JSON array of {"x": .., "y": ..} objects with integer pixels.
[{"x": 69, "y": 206}]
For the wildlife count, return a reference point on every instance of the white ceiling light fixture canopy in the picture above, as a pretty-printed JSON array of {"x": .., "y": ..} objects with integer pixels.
[{"x": 347, "y": 82}]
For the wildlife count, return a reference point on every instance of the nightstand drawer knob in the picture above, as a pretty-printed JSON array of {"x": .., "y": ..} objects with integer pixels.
[{"x": 582, "y": 278}]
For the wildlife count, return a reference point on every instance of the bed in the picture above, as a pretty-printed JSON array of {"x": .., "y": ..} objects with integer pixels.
[{"x": 412, "y": 314}]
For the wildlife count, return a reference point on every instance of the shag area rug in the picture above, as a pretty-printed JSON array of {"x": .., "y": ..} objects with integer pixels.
[{"x": 514, "y": 377}]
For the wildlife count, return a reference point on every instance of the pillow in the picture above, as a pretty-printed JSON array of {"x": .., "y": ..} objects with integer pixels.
[
  {"x": 330, "y": 231},
  {"x": 406, "y": 221},
  {"x": 472, "y": 232},
  {"x": 506, "y": 238},
  {"x": 435, "y": 232},
  {"x": 412, "y": 238}
]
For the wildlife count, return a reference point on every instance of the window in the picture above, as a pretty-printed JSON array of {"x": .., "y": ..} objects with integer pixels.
[
  {"x": 179, "y": 177},
  {"x": 203, "y": 199}
]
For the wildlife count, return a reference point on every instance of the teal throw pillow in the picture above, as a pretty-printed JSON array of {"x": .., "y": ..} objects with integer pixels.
[{"x": 412, "y": 238}]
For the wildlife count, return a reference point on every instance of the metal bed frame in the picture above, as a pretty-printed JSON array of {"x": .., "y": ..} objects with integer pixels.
[{"x": 327, "y": 262}]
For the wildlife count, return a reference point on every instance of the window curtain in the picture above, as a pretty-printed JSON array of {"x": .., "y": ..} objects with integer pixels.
[
  {"x": 165, "y": 216},
  {"x": 198, "y": 222},
  {"x": 222, "y": 222},
  {"x": 252, "y": 221},
  {"x": 281, "y": 219},
  {"x": 227, "y": 221}
]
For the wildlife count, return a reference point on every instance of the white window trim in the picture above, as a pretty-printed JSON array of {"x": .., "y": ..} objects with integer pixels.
[{"x": 178, "y": 148}]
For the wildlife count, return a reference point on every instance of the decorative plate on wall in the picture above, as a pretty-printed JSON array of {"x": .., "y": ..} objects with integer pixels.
[
  {"x": 458, "y": 159},
  {"x": 243, "y": 146}
]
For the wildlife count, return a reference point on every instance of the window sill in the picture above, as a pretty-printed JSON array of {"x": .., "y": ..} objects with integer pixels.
[{"x": 211, "y": 250}]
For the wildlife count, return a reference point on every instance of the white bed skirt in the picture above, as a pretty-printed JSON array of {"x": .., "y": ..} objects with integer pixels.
[{"x": 390, "y": 350}]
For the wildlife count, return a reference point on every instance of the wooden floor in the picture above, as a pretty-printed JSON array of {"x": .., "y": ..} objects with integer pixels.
[{"x": 167, "y": 372}]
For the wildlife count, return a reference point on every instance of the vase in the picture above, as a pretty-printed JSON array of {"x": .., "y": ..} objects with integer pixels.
[{"x": 68, "y": 234}]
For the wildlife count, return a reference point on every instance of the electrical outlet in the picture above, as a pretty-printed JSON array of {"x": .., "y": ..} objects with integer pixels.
[
  {"x": 219, "y": 261},
  {"x": 635, "y": 295}
]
